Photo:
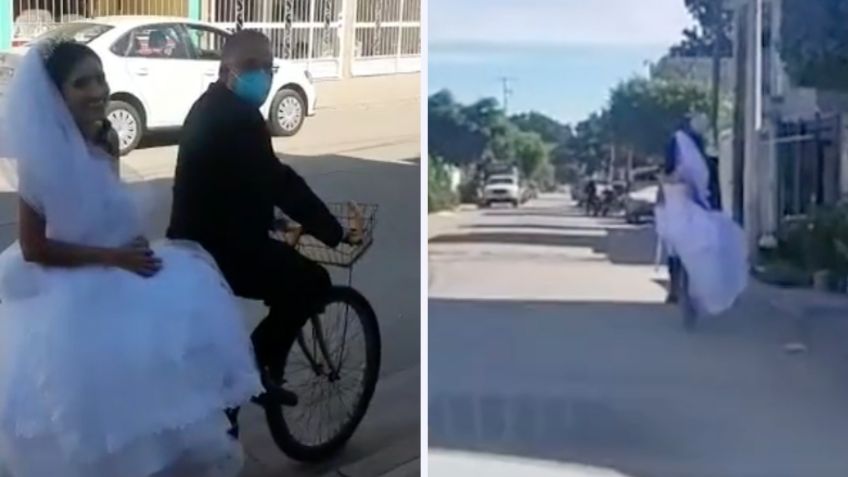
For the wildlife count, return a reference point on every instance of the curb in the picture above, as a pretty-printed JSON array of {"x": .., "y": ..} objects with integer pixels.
[{"x": 399, "y": 460}]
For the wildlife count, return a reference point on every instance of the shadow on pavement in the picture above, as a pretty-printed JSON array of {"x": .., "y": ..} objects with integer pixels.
[
  {"x": 541, "y": 212},
  {"x": 621, "y": 385},
  {"x": 621, "y": 245},
  {"x": 170, "y": 137}
]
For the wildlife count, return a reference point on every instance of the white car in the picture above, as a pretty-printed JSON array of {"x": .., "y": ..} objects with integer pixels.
[
  {"x": 157, "y": 67},
  {"x": 500, "y": 189},
  {"x": 640, "y": 204}
]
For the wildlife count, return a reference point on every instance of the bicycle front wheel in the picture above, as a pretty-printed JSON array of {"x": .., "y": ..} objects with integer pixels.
[{"x": 332, "y": 364}]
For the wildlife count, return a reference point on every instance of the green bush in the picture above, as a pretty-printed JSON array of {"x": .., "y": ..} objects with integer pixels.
[
  {"x": 818, "y": 241},
  {"x": 440, "y": 196},
  {"x": 469, "y": 192}
]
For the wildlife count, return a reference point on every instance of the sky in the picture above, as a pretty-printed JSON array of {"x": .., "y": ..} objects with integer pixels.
[{"x": 563, "y": 55}]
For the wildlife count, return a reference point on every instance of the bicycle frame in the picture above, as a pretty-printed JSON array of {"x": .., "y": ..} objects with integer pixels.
[{"x": 293, "y": 236}]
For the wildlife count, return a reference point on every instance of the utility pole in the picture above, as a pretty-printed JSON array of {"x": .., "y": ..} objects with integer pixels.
[
  {"x": 506, "y": 83},
  {"x": 718, "y": 35}
]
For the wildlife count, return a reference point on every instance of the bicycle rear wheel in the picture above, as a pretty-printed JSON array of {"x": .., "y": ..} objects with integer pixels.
[{"x": 332, "y": 364}]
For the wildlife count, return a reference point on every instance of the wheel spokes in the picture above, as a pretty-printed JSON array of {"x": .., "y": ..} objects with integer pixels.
[{"x": 328, "y": 377}]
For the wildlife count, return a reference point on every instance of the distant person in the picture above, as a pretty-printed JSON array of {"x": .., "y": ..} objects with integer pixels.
[
  {"x": 590, "y": 192},
  {"x": 697, "y": 236}
]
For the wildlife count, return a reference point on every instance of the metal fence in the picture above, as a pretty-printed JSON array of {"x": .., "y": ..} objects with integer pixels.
[
  {"x": 304, "y": 31},
  {"x": 387, "y": 35},
  {"x": 33, "y": 17},
  {"x": 808, "y": 165}
]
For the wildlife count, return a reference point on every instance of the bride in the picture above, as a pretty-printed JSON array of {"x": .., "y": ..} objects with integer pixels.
[
  {"x": 117, "y": 357},
  {"x": 708, "y": 243}
]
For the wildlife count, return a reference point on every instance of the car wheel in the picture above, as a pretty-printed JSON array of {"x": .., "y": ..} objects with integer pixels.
[
  {"x": 127, "y": 122},
  {"x": 288, "y": 111}
]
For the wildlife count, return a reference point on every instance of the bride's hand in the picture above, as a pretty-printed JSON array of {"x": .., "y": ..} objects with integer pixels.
[{"x": 137, "y": 257}]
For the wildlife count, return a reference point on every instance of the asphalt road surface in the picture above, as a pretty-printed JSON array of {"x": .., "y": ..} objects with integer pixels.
[{"x": 549, "y": 341}]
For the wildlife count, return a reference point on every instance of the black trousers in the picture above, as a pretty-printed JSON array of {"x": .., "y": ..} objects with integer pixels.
[
  {"x": 674, "y": 267},
  {"x": 291, "y": 285}
]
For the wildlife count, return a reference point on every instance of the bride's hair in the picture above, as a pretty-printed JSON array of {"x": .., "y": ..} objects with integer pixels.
[{"x": 60, "y": 58}]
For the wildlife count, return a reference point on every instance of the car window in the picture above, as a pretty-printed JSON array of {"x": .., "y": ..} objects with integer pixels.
[
  {"x": 206, "y": 42},
  {"x": 501, "y": 181},
  {"x": 122, "y": 46},
  {"x": 157, "y": 41},
  {"x": 79, "y": 32}
]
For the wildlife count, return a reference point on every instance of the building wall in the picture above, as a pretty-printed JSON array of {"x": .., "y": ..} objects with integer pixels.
[{"x": 5, "y": 24}]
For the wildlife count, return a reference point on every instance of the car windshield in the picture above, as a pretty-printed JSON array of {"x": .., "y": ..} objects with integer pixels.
[
  {"x": 501, "y": 181},
  {"x": 80, "y": 32}
]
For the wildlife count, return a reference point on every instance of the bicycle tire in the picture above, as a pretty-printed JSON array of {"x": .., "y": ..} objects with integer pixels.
[{"x": 275, "y": 417}]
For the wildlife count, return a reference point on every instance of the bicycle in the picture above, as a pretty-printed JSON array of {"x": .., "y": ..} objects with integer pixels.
[{"x": 309, "y": 355}]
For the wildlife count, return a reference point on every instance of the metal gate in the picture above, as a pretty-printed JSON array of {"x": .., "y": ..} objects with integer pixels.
[
  {"x": 808, "y": 165},
  {"x": 387, "y": 37},
  {"x": 306, "y": 32},
  {"x": 34, "y": 17}
]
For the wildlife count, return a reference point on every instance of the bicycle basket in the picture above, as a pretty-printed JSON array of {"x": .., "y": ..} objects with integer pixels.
[{"x": 345, "y": 255}]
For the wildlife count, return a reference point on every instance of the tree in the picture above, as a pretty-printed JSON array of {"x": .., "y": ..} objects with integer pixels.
[
  {"x": 451, "y": 136},
  {"x": 588, "y": 148},
  {"x": 561, "y": 165},
  {"x": 530, "y": 152},
  {"x": 814, "y": 42},
  {"x": 550, "y": 130},
  {"x": 475, "y": 134},
  {"x": 643, "y": 113},
  {"x": 700, "y": 39}
]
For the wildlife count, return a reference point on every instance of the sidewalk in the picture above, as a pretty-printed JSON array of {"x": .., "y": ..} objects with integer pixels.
[
  {"x": 439, "y": 222},
  {"x": 817, "y": 320},
  {"x": 399, "y": 460},
  {"x": 365, "y": 91}
]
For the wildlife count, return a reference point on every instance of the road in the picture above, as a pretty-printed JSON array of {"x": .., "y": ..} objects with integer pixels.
[
  {"x": 366, "y": 154},
  {"x": 549, "y": 341}
]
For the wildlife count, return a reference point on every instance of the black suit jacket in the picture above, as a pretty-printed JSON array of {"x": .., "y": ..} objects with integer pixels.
[{"x": 228, "y": 181}]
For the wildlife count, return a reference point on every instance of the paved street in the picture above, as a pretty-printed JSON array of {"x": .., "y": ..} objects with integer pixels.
[
  {"x": 549, "y": 343},
  {"x": 369, "y": 154}
]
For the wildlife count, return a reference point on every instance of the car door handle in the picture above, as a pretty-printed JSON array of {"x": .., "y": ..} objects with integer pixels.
[
  {"x": 210, "y": 73},
  {"x": 142, "y": 71}
]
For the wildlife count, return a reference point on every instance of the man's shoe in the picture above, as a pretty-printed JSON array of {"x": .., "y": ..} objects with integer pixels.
[{"x": 274, "y": 393}]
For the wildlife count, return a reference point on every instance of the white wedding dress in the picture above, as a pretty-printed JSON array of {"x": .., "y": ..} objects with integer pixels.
[
  {"x": 710, "y": 244},
  {"x": 104, "y": 373}
]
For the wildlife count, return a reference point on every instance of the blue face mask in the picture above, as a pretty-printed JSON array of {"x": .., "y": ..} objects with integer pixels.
[{"x": 253, "y": 87}]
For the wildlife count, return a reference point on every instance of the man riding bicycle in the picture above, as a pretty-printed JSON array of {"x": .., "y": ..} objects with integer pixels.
[{"x": 227, "y": 184}]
